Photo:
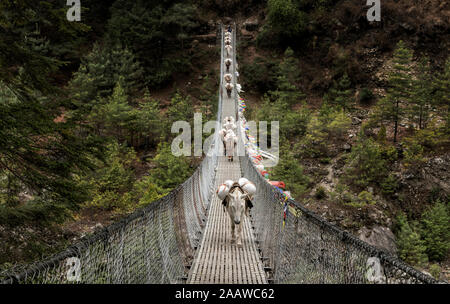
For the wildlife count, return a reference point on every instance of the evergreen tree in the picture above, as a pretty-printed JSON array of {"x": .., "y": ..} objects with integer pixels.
[
  {"x": 389, "y": 108},
  {"x": 170, "y": 170},
  {"x": 148, "y": 123},
  {"x": 40, "y": 149},
  {"x": 340, "y": 94},
  {"x": 101, "y": 70},
  {"x": 442, "y": 96},
  {"x": 290, "y": 171},
  {"x": 411, "y": 248},
  {"x": 149, "y": 29},
  {"x": 287, "y": 89},
  {"x": 421, "y": 94},
  {"x": 117, "y": 113},
  {"x": 179, "y": 20},
  {"x": 180, "y": 109},
  {"x": 436, "y": 231},
  {"x": 286, "y": 22}
]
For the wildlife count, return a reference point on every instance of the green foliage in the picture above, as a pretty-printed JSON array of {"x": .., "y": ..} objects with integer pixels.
[
  {"x": 290, "y": 171},
  {"x": 367, "y": 164},
  {"x": 171, "y": 170},
  {"x": 442, "y": 96},
  {"x": 366, "y": 198},
  {"x": 38, "y": 153},
  {"x": 100, "y": 72},
  {"x": 400, "y": 89},
  {"x": 288, "y": 74},
  {"x": 436, "y": 231},
  {"x": 147, "y": 191},
  {"x": 149, "y": 29},
  {"x": 422, "y": 142},
  {"x": 330, "y": 124},
  {"x": 109, "y": 185},
  {"x": 421, "y": 94},
  {"x": 389, "y": 185},
  {"x": 340, "y": 94},
  {"x": 285, "y": 23},
  {"x": 365, "y": 96},
  {"x": 411, "y": 248},
  {"x": 259, "y": 75},
  {"x": 435, "y": 271},
  {"x": 321, "y": 193}
]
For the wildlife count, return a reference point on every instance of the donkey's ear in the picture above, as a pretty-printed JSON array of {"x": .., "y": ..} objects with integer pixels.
[
  {"x": 225, "y": 201},
  {"x": 248, "y": 205}
]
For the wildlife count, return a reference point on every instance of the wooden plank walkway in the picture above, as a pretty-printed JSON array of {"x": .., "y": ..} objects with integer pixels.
[{"x": 217, "y": 260}]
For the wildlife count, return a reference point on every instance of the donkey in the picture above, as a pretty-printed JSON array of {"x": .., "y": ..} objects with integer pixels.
[
  {"x": 230, "y": 141},
  {"x": 228, "y": 63},
  {"x": 228, "y": 48},
  {"x": 237, "y": 203},
  {"x": 229, "y": 88}
]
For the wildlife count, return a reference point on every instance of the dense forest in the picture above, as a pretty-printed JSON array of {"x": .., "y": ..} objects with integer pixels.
[{"x": 86, "y": 110}]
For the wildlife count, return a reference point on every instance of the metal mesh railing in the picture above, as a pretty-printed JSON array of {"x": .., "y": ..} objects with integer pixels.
[{"x": 310, "y": 250}]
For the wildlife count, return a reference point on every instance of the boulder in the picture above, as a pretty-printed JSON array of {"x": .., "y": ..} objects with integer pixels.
[
  {"x": 356, "y": 121},
  {"x": 378, "y": 236}
]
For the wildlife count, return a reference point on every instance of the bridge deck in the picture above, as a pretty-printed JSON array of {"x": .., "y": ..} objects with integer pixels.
[{"x": 217, "y": 259}]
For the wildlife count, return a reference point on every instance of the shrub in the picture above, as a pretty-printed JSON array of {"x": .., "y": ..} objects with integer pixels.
[
  {"x": 389, "y": 185},
  {"x": 367, "y": 164},
  {"x": 286, "y": 22},
  {"x": 147, "y": 191},
  {"x": 339, "y": 124},
  {"x": 365, "y": 96},
  {"x": 321, "y": 193},
  {"x": 435, "y": 271},
  {"x": 366, "y": 198}
]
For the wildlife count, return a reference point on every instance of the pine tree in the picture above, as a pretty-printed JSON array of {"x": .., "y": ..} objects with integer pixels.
[
  {"x": 340, "y": 94},
  {"x": 290, "y": 171},
  {"x": 179, "y": 20},
  {"x": 171, "y": 170},
  {"x": 421, "y": 94},
  {"x": 436, "y": 231},
  {"x": 442, "y": 96},
  {"x": 411, "y": 248},
  {"x": 100, "y": 72},
  {"x": 117, "y": 113},
  {"x": 180, "y": 110},
  {"x": 287, "y": 90},
  {"x": 399, "y": 91},
  {"x": 40, "y": 153},
  {"x": 148, "y": 122}
]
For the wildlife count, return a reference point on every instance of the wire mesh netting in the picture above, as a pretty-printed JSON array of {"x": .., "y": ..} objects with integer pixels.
[{"x": 310, "y": 250}]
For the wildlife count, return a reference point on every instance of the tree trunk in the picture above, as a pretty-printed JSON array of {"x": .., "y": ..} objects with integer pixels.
[{"x": 396, "y": 122}]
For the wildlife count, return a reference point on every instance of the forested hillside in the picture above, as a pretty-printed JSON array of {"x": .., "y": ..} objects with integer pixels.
[{"x": 86, "y": 110}]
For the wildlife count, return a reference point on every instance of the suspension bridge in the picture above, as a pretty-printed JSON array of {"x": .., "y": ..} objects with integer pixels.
[{"x": 185, "y": 236}]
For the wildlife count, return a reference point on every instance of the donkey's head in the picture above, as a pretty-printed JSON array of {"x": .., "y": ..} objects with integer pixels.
[{"x": 237, "y": 205}]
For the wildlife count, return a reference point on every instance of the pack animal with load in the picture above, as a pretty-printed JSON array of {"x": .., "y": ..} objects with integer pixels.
[{"x": 237, "y": 199}]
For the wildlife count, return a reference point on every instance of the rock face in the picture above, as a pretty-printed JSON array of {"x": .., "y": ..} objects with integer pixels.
[
  {"x": 378, "y": 236},
  {"x": 251, "y": 24}
]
